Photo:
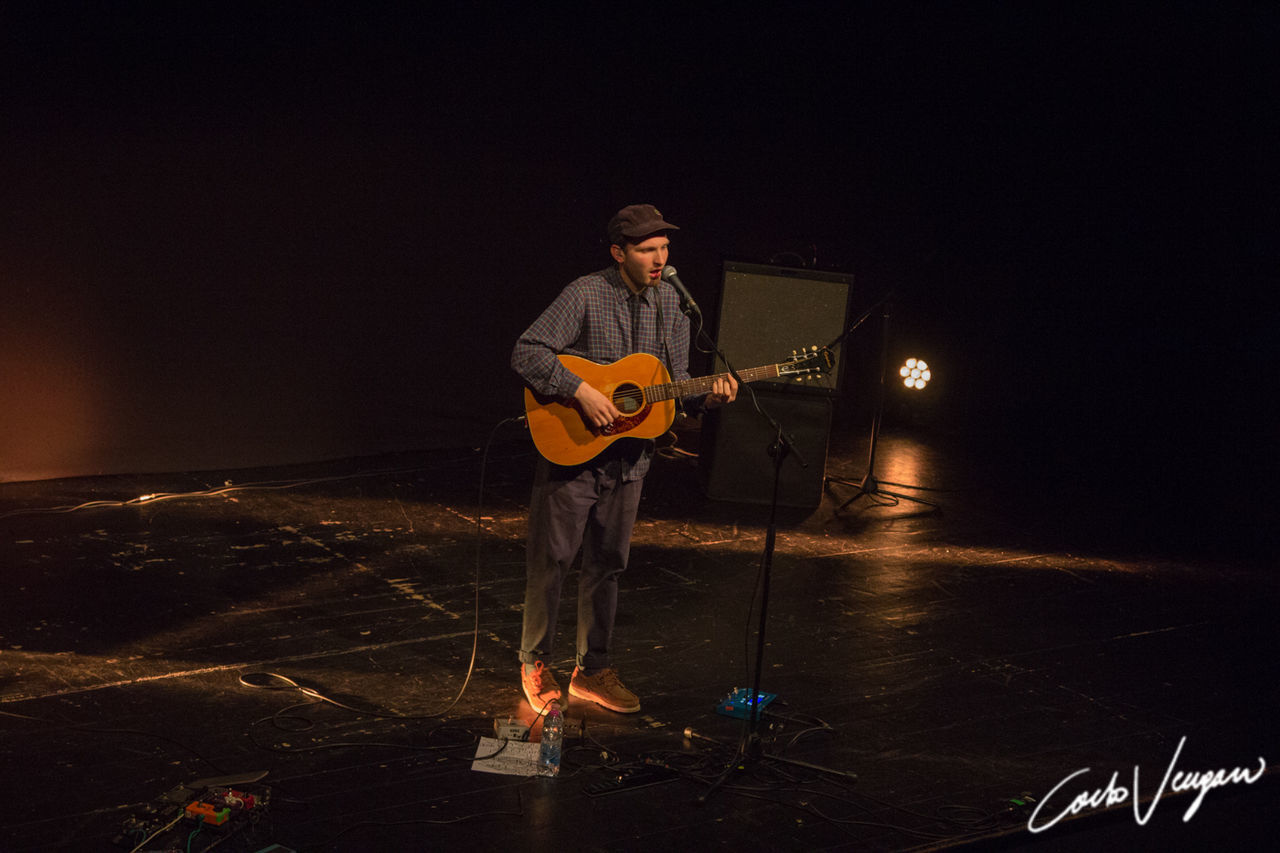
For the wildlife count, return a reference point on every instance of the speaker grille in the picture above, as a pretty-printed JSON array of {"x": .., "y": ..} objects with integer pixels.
[
  {"x": 735, "y": 464},
  {"x": 767, "y": 312}
]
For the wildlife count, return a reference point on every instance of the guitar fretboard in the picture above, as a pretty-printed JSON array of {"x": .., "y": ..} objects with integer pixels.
[{"x": 702, "y": 384}]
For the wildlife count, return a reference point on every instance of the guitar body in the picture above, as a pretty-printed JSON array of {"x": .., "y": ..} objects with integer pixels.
[{"x": 563, "y": 437}]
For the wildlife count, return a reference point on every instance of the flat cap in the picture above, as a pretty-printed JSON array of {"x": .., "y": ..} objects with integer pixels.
[{"x": 637, "y": 220}]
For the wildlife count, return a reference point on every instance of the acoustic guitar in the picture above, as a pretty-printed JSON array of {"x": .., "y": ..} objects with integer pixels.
[{"x": 641, "y": 388}]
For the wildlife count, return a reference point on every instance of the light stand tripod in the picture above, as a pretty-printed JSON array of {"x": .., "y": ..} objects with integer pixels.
[{"x": 870, "y": 485}]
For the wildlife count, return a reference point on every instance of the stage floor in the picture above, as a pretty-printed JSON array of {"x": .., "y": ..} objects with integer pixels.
[{"x": 340, "y": 637}]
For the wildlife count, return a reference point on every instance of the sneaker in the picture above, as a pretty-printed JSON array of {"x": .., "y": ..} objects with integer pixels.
[
  {"x": 604, "y": 688},
  {"x": 540, "y": 687}
]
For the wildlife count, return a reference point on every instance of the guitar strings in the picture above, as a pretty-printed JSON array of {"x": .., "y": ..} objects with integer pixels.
[
  {"x": 637, "y": 397},
  {"x": 633, "y": 395}
]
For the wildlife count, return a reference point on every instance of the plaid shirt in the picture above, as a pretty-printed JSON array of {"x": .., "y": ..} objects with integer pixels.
[{"x": 591, "y": 318}]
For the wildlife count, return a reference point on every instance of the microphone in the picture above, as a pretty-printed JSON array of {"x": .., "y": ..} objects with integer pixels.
[{"x": 687, "y": 305}]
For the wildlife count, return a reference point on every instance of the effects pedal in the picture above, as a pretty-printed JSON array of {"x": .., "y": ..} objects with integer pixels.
[
  {"x": 635, "y": 777},
  {"x": 738, "y": 703}
]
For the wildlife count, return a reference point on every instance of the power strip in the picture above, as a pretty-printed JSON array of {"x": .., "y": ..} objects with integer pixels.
[
  {"x": 510, "y": 730},
  {"x": 738, "y": 702}
]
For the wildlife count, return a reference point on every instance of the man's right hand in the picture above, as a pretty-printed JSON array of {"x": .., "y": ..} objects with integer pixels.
[{"x": 597, "y": 409}]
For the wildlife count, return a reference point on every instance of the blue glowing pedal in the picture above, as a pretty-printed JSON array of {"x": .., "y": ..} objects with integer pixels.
[{"x": 738, "y": 702}]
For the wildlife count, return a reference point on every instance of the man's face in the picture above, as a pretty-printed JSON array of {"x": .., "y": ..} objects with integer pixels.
[{"x": 641, "y": 263}]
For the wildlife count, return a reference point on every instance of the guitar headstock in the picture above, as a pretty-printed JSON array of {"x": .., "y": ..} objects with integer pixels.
[{"x": 807, "y": 363}]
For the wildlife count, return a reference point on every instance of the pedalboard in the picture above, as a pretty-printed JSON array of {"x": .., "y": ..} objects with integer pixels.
[{"x": 228, "y": 813}]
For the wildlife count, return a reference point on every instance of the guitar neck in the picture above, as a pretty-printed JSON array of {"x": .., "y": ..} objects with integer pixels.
[{"x": 702, "y": 384}]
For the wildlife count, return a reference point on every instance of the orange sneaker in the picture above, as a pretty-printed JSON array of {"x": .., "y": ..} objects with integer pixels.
[
  {"x": 604, "y": 688},
  {"x": 540, "y": 686}
]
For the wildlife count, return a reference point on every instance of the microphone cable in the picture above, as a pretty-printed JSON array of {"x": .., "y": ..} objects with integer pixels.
[{"x": 273, "y": 680}]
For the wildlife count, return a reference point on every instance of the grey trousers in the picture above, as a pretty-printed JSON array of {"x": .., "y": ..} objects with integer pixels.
[{"x": 572, "y": 508}]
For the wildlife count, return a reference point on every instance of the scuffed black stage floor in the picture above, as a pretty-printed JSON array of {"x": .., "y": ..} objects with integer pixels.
[{"x": 954, "y": 660}]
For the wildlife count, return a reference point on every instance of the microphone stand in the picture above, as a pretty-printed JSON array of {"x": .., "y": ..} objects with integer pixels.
[
  {"x": 750, "y": 747},
  {"x": 870, "y": 485}
]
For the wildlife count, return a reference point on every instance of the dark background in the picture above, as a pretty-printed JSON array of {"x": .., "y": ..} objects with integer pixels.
[{"x": 247, "y": 234}]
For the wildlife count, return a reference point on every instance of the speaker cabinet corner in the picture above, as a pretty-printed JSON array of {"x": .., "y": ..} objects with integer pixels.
[{"x": 735, "y": 462}]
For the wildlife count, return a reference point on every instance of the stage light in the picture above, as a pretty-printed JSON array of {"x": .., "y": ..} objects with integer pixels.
[{"x": 915, "y": 373}]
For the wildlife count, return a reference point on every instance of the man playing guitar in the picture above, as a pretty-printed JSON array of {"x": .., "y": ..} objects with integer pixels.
[{"x": 590, "y": 505}]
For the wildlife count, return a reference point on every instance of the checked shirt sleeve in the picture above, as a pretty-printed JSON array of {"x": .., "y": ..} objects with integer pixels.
[{"x": 534, "y": 355}]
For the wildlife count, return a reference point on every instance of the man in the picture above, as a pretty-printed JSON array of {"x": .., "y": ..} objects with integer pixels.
[{"x": 623, "y": 309}]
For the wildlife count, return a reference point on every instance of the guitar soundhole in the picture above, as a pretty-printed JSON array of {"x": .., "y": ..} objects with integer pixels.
[{"x": 629, "y": 399}]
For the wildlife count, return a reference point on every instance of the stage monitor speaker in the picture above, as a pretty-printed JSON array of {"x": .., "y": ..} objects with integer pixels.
[
  {"x": 767, "y": 312},
  {"x": 735, "y": 465}
]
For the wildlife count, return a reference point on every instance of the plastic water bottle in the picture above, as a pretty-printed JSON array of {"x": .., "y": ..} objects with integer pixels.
[{"x": 552, "y": 736}]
